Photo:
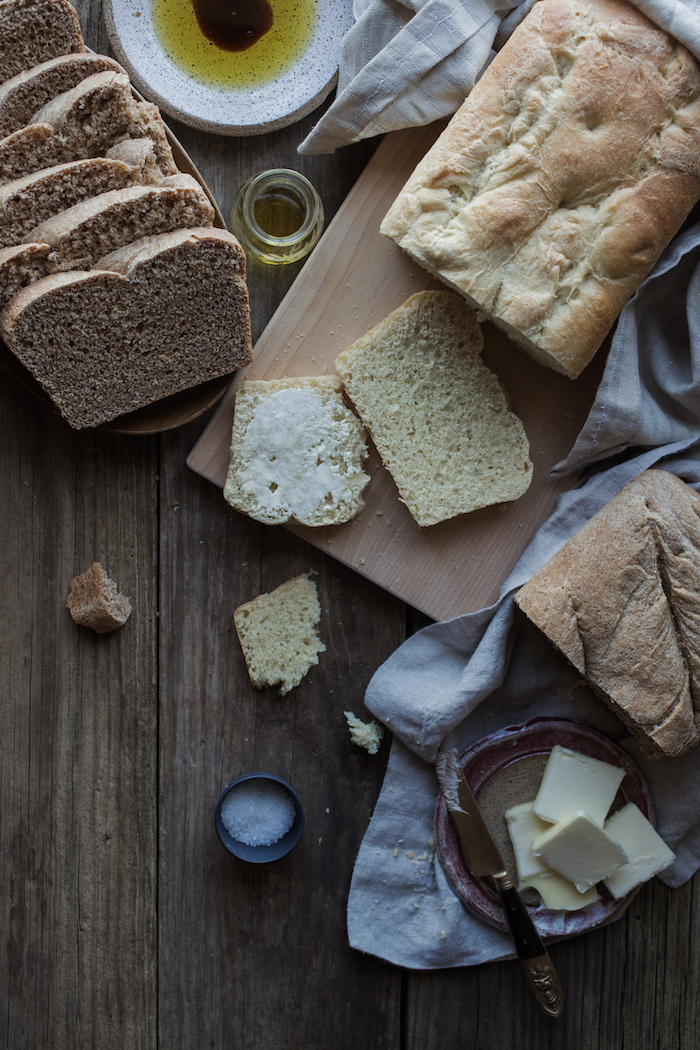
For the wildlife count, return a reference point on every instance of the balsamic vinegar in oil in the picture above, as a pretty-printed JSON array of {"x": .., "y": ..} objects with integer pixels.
[{"x": 234, "y": 44}]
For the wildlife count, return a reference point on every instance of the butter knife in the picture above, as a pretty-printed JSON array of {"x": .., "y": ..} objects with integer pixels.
[{"x": 484, "y": 859}]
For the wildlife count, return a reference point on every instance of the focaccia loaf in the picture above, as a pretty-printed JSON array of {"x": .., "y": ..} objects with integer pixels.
[
  {"x": 560, "y": 180},
  {"x": 621, "y": 600}
]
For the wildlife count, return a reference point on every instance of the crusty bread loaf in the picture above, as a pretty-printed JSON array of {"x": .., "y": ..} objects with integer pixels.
[
  {"x": 155, "y": 317},
  {"x": 29, "y": 201},
  {"x": 278, "y": 634},
  {"x": 78, "y": 236},
  {"x": 32, "y": 31},
  {"x": 438, "y": 416},
  {"x": 26, "y": 93},
  {"x": 95, "y": 602},
  {"x": 621, "y": 600},
  {"x": 296, "y": 452},
  {"x": 86, "y": 121},
  {"x": 562, "y": 177}
]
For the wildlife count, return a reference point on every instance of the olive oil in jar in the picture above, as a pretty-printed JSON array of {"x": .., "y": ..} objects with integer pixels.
[
  {"x": 277, "y": 216},
  {"x": 223, "y": 56}
]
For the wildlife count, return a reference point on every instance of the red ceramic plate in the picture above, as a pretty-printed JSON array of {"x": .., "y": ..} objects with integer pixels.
[{"x": 505, "y": 769}]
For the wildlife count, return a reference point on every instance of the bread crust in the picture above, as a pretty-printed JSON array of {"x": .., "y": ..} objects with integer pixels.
[
  {"x": 560, "y": 180},
  {"x": 621, "y": 600}
]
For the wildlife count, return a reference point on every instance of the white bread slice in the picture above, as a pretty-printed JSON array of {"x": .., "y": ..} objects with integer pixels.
[
  {"x": 621, "y": 600},
  {"x": 157, "y": 317},
  {"x": 80, "y": 235},
  {"x": 29, "y": 201},
  {"x": 278, "y": 634},
  {"x": 296, "y": 452},
  {"x": 86, "y": 121},
  {"x": 32, "y": 31},
  {"x": 438, "y": 416},
  {"x": 24, "y": 94}
]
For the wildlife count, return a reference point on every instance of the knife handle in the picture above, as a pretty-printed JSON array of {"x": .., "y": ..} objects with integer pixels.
[{"x": 541, "y": 976}]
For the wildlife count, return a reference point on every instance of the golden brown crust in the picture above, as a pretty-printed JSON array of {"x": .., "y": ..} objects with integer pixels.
[
  {"x": 560, "y": 180},
  {"x": 621, "y": 600}
]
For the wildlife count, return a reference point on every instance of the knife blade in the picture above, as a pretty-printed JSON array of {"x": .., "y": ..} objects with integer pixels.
[{"x": 484, "y": 859}]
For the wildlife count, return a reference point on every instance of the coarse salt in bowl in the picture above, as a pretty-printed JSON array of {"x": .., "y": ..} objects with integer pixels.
[{"x": 259, "y": 818}]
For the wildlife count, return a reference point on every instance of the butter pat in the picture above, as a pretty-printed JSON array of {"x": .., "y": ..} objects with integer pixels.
[
  {"x": 580, "y": 850},
  {"x": 524, "y": 826},
  {"x": 647, "y": 852},
  {"x": 557, "y": 893},
  {"x": 572, "y": 782}
]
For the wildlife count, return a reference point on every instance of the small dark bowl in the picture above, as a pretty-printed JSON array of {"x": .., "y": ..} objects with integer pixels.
[{"x": 261, "y": 854}]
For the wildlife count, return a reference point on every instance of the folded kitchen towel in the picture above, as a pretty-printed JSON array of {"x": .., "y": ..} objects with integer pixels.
[
  {"x": 454, "y": 683},
  {"x": 406, "y": 63}
]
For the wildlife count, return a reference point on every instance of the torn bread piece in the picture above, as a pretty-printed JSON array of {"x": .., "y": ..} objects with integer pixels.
[
  {"x": 621, "y": 600},
  {"x": 296, "y": 452},
  {"x": 278, "y": 635},
  {"x": 94, "y": 601},
  {"x": 439, "y": 418}
]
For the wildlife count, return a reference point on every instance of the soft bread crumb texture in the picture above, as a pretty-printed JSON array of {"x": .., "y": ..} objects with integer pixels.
[
  {"x": 33, "y": 31},
  {"x": 562, "y": 177},
  {"x": 94, "y": 601},
  {"x": 278, "y": 635},
  {"x": 27, "y": 92},
  {"x": 439, "y": 418},
  {"x": 296, "y": 453},
  {"x": 621, "y": 600},
  {"x": 365, "y": 734}
]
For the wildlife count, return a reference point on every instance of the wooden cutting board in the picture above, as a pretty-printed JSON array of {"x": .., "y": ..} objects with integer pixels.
[{"x": 353, "y": 279}]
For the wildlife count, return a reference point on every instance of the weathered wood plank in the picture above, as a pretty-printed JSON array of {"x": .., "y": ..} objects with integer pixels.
[{"x": 77, "y": 766}]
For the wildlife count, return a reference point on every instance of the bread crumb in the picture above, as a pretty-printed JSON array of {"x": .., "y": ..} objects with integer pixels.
[
  {"x": 95, "y": 602},
  {"x": 364, "y": 734}
]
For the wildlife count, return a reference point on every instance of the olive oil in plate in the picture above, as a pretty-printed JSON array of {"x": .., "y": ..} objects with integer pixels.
[{"x": 234, "y": 45}]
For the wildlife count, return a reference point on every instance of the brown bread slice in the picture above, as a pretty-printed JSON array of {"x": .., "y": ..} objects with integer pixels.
[
  {"x": 32, "y": 31},
  {"x": 29, "y": 201},
  {"x": 24, "y": 94},
  {"x": 157, "y": 317},
  {"x": 79, "y": 236},
  {"x": 20, "y": 264},
  {"x": 86, "y": 121}
]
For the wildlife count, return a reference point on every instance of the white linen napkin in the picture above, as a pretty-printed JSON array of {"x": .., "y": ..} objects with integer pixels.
[
  {"x": 406, "y": 63},
  {"x": 455, "y": 682}
]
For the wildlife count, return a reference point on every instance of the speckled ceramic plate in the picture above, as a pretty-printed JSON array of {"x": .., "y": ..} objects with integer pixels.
[
  {"x": 505, "y": 769},
  {"x": 237, "y": 94}
]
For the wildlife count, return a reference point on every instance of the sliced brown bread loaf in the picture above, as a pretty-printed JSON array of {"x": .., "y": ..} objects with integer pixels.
[
  {"x": 79, "y": 236},
  {"x": 156, "y": 317},
  {"x": 24, "y": 94},
  {"x": 32, "y": 31},
  {"x": 84, "y": 122},
  {"x": 29, "y": 201}
]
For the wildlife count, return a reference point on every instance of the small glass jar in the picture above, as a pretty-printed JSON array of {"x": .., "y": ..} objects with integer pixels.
[{"x": 277, "y": 216}]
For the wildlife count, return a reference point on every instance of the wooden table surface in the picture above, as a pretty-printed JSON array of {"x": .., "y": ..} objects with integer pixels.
[{"x": 123, "y": 922}]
